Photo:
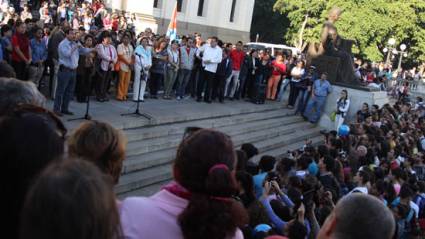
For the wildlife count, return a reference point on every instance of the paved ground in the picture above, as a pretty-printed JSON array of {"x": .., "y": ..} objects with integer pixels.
[{"x": 161, "y": 111}]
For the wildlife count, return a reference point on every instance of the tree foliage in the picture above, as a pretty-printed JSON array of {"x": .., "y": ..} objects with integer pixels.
[
  {"x": 270, "y": 25},
  {"x": 369, "y": 23}
]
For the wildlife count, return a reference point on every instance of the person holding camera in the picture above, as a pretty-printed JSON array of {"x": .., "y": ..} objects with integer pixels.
[
  {"x": 271, "y": 186},
  {"x": 342, "y": 105}
]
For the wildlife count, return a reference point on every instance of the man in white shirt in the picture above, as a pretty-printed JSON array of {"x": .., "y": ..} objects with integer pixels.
[{"x": 212, "y": 56}]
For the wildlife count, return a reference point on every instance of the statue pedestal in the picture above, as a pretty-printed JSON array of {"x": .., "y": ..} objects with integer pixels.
[
  {"x": 326, "y": 64},
  {"x": 357, "y": 96}
]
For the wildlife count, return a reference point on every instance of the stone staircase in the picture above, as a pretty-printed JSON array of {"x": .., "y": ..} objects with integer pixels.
[{"x": 152, "y": 148}]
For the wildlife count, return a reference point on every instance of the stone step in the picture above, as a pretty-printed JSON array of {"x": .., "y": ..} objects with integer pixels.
[
  {"x": 278, "y": 142},
  {"x": 264, "y": 141},
  {"x": 282, "y": 152},
  {"x": 149, "y": 132},
  {"x": 173, "y": 140},
  {"x": 245, "y": 134}
]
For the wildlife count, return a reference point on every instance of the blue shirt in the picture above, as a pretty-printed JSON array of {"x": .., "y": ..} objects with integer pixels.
[
  {"x": 70, "y": 58},
  {"x": 38, "y": 50},
  {"x": 258, "y": 184},
  {"x": 322, "y": 88},
  {"x": 1, "y": 54}
]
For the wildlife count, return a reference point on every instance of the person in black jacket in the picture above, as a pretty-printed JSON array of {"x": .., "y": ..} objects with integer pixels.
[
  {"x": 252, "y": 64},
  {"x": 224, "y": 70}
]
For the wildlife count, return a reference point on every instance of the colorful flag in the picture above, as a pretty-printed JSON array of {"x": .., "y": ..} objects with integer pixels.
[{"x": 172, "y": 28}]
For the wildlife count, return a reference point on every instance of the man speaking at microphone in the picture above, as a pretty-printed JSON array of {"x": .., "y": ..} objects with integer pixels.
[{"x": 69, "y": 52}]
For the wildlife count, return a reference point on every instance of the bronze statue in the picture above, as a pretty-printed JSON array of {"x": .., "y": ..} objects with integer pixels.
[{"x": 332, "y": 45}]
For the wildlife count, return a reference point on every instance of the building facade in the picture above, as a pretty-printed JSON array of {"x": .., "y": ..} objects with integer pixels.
[{"x": 230, "y": 20}]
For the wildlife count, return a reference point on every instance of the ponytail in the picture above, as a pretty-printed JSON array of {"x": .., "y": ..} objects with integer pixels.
[
  {"x": 204, "y": 166},
  {"x": 214, "y": 214}
]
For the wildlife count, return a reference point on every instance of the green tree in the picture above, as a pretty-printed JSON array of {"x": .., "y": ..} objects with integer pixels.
[
  {"x": 269, "y": 24},
  {"x": 369, "y": 23}
]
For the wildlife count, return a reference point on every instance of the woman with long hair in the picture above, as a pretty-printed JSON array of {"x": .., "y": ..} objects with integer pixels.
[
  {"x": 342, "y": 106},
  {"x": 200, "y": 203}
]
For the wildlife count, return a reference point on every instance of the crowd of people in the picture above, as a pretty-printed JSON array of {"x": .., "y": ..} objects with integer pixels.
[{"x": 365, "y": 182}]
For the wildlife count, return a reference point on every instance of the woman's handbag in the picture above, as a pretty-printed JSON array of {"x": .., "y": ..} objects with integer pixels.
[{"x": 333, "y": 116}]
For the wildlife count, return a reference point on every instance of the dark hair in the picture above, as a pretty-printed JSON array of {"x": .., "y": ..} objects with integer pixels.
[
  {"x": 245, "y": 179},
  {"x": 81, "y": 29},
  {"x": 28, "y": 143},
  {"x": 297, "y": 230},
  {"x": 5, "y": 28},
  {"x": 101, "y": 144},
  {"x": 249, "y": 149},
  {"x": 283, "y": 212},
  {"x": 346, "y": 96},
  {"x": 71, "y": 200},
  {"x": 19, "y": 23},
  {"x": 68, "y": 30},
  {"x": 206, "y": 216},
  {"x": 406, "y": 191},
  {"x": 242, "y": 160},
  {"x": 304, "y": 161},
  {"x": 330, "y": 163},
  {"x": 267, "y": 163},
  {"x": 89, "y": 36}
]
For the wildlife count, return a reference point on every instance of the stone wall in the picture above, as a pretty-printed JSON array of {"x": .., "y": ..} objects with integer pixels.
[
  {"x": 357, "y": 98},
  {"x": 185, "y": 28}
]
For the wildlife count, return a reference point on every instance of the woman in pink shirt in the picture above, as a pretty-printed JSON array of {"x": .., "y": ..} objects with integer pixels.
[{"x": 199, "y": 204}]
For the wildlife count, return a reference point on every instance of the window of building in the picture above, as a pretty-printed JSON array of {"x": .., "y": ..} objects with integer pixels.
[
  {"x": 232, "y": 11},
  {"x": 179, "y": 5},
  {"x": 200, "y": 8},
  {"x": 155, "y": 3}
]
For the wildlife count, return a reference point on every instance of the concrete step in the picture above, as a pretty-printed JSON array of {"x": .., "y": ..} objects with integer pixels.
[
  {"x": 149, "y": 132},
  {"x": 140, "y": 157},
  {"x": 266, "y": 140},
  {"x": 172, "y": 140},
  {"x": 278, "y": 142},
  {"x": 282, "y": 152}
]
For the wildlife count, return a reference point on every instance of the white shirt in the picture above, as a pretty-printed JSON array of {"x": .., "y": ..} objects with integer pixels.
[
  {"x": 212, "y": 54},
  {"x": 360, "y": 189},
  {"x": 297, "y": 72}
]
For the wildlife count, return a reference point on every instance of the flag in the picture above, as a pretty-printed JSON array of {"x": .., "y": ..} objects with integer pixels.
[{"x": 172, "y": 28}]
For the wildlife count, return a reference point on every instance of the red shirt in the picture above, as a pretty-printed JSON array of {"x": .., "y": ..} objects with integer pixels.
[
  {"x": 115, "y": 25},
  {"x": 237, "y": 59},
  {"x": 281, "y": 68},
  {"x": 21, "y": 41}
]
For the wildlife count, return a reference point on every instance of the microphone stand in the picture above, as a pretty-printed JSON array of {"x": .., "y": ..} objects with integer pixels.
[
  {"x": 86, "y": 116},
  {"x": 137, "y": 111}
]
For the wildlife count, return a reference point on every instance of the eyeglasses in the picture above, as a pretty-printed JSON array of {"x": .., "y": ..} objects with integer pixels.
[{"x": 48, "y": 115}]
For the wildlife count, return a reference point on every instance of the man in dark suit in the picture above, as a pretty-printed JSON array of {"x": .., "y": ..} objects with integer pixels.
[{"x": 224, "y": 70}]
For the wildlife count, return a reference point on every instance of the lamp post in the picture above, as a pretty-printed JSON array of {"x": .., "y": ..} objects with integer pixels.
[
  {"x": 402, "y": 53},
  {"x": 389, "y": 49}
]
